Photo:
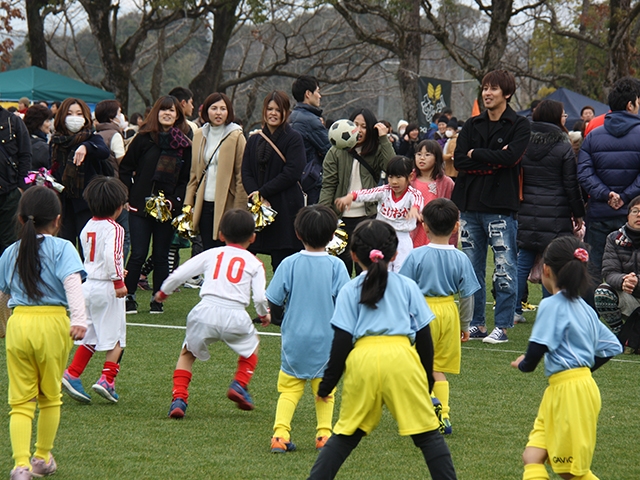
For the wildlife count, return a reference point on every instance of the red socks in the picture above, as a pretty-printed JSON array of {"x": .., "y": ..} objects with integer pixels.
[
  {"x": 246, "y": 367},
  {"x": 80, "y": 360},
  {"x": 181, "y": 380},
  {"x": 110, "y": 370}
]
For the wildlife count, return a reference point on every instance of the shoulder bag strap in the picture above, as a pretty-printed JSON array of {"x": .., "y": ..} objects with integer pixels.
[
  {"x": 210, "y": 160},
  {"x": 366, "y": 165},
  {"x": 273, "y": 145}
]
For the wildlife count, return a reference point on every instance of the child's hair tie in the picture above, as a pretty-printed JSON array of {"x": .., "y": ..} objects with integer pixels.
[
  {"x": 375, "y": 255},
  {"x": 581, "y": 254},
  {"x": 30, "y": 217}
]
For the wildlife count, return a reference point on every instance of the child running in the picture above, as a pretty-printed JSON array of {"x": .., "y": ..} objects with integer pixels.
[
  {"x": 441, "y": 271},
  {"x": 574, "y": 343},
  {"x": 378, "y": 316},
  {"x": 42, "y": 274},
  {"x": 399, "y": 205},
  {"x": 306, "y": 284},
  {"x": 431, "y": 181},
  {"x": 231, "y": 274},
  {"x": 104, "y": 291}
]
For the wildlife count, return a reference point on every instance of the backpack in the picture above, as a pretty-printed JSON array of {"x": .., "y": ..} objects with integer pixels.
[
  {"x": 629, "y": 334},
  {"x": 311, "y": 181}
]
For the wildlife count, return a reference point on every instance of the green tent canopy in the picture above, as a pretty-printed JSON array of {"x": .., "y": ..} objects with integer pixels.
[{"x": 38, "y": 84}]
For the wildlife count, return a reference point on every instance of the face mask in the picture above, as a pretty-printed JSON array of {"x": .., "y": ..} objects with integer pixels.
[
  {"x": 449, "y": 133},
  {"x": 74, "y": 123},
  {"x": 401, "y": 131},
  {"x": 122, "y": 123}
]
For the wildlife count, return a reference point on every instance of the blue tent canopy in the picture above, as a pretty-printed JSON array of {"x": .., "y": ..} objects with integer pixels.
[{"x": 573, "y": 102}]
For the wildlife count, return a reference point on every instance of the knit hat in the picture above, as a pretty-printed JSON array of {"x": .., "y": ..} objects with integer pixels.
[
  {"x": 443, "y": 119},
  {"x": 453, "y": 123},
  {"x": 401, "y": 123}
]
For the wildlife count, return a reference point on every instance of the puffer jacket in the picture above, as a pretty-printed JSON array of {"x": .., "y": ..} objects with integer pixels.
[
  {"x": 551, "y": 195},
  {"x": 619, "y": 259},
  {"x": 609, "y": 160}
]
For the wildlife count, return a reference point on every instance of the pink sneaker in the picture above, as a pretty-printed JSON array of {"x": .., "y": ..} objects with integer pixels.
[
  {"x": 20, "y": 473},
  {"x": 41, "y": 469}
]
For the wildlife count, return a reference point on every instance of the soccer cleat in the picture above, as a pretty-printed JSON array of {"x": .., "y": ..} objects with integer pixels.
[
  {"x": 106, "y": 390},
  {"x": 321, "y": 442},
  {"x": 73, "y": 387},
  {"x": 156, "y": 307},
  {"x": 237, "y": 393},
  {"x": 131, "y": 305},
  {"x": 40, "y": 468},
  {"x": 437, "y": 408},
  {"x": 447, "y": 426},
  {"x": 476, "y": 334},
  {"x": 21, "y": 473},
  {"x": 527, "y": 307},
  {"x": 518, "y": 318},
  {"x": 178, "y": 408},
  {"x": 497, "y": 336},
  {"x": 280, "y": 445}
]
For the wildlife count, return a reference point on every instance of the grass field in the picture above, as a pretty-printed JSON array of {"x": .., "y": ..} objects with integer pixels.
[{"x": 493, "y": 408}]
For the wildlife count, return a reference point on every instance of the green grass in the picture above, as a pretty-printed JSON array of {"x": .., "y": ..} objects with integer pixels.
[{"x": 493, "y": 408}]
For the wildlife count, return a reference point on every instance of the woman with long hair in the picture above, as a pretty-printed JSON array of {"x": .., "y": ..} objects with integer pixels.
[
  {"x": 345, "y": 171},
  {"x": 77, "y": 155},
  {"x": 157, "y": 161},
  {"x": 215, "y": 185},
  {"x": 271, "y": 168},
  {"x": 552, "y": 203}
]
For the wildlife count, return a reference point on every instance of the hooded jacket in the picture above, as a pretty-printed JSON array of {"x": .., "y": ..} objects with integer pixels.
[
  {"x": 609, "y": 160},
  {"x": 551, "y": 194}
]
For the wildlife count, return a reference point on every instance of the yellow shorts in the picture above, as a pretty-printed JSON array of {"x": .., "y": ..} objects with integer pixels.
[
  {"x": 566, "y": 423},
  {"x": 38, "y": 346},
  {"x": 385, "y": 371},
  {"x": 445, "y": 332}
]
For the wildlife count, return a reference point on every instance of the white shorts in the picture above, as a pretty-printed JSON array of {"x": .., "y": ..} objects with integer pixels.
[
  {"x": 405, "y": 245},
  {"x": 209, "y": 322},
  {"x": 106, "y": 317}
]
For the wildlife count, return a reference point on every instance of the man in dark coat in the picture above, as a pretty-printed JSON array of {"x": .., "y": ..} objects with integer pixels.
[{"x": 487, "y": 156}]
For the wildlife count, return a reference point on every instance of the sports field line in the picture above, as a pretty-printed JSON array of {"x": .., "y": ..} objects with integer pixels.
[{"x": 272, "y": 334}]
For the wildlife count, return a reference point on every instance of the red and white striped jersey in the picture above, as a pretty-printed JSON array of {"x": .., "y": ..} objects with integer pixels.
[
  {"x": 102, "y": 244},
  {"x": 393, "y": 210}
]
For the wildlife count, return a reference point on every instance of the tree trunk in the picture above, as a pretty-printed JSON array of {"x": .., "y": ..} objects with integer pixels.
[
  {"x": 409, "y": 68},
  {"x": 158, "y": 68},
  {"x": 35, "y": 35},
  {"x": 582, "y": 47},
  {"x": 497, "y": 38},
  {"x": 210, "y": 77},
  {"x": 618, "y": 42}
]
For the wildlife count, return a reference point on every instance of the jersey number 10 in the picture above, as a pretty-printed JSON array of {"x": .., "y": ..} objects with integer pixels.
[{"x": 233, "y": 278}]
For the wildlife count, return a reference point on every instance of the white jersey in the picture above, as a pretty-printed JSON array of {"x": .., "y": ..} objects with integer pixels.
[
  {"x": 102, "y": 244},
  {"x": 392, "y": 210},
  {"x": 231, "y": 275}
]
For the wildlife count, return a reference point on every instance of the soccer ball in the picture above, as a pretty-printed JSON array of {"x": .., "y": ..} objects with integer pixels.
[{"x": 343, "y": 134}]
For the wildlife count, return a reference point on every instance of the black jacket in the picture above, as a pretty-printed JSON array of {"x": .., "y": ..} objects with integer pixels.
[
  {"x": 551, "y": 195},
  {"x": 488, "y": 181},
  {"x": 620, "y": 258},
  {"x": 41, "y": 153},
  {"x": 15, "y": 154}
]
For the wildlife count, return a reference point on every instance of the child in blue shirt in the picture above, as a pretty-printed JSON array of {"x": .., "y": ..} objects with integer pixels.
[
  {"x": 383, "y": 345},
  {"x": 42, "y": 273},
  {"x": 306, "y": 285},
  {"x": 574, "y": 343},
  {"x": 441, "y": 271}
]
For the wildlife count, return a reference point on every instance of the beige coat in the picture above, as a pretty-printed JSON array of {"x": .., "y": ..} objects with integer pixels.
[{"x": 229, "y": 190}]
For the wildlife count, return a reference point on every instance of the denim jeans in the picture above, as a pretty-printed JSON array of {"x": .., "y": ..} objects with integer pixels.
[
  {"x": 142, "y": 229},
  {"x": 596, "y": 237},
  {"x": 526, "y": 260},
  {"x": 478, "y": 232}
]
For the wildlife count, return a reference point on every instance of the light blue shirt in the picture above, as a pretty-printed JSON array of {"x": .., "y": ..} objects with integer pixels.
[
  {"x": 573, "y": 334},
  {"x": 307, "y": 285},
  {"x": 58, "y": 259},
  {"x": 401, "y": 311},
  {"x": 440, "y": 271}
]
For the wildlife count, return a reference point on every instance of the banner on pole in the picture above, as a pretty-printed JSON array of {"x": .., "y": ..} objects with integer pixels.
[{"x": 434, "y": 96}]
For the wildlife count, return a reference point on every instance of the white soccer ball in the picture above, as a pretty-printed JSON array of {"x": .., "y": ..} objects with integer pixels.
[{"x": 343, "y": 134}]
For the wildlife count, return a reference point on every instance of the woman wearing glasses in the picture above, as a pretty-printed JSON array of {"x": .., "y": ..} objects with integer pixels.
[{"x": 552, "y": 203}]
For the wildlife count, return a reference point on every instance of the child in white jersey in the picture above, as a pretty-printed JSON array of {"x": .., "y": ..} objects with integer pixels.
[
  {"x": 306, "y": 284},
  {"x": 399, "y": 204},
  {"x": 383, "y": 345},
  {"x": 104, "y": 291},
  {"x": 231, "y": 275},
  {"x": 574, "y": 342}
]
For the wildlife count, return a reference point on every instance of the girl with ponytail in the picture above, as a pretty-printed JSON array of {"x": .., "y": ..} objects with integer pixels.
[
  {"x": 574, "y": 343},
  {"x": 42, "y": 274},
  {"x": 382, "y": 343}
]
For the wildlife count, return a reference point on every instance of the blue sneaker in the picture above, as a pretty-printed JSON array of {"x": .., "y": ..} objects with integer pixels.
[
  {"x": 178, "y": 408},
  {"x": 476, "y": 334},
  {"x": 497, "y": 336},
  {"x": 237, "y": 393},
  {"x": 437, "y": 407},
  {"x": 106, "y": 390},
  {"x": 448, "y": 430},
  {"x": 280, "y": 445},
  {"x": 73, "y": 387}
]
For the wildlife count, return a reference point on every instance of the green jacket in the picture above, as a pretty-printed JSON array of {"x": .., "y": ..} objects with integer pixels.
[{"x": 336, "y": 173}]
